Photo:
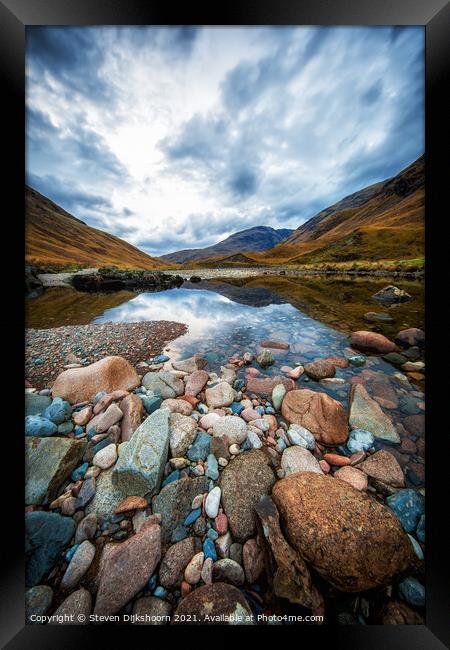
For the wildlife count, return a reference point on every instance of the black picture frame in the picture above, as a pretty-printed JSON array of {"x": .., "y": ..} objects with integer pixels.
[{"x": 434, "y": 15}]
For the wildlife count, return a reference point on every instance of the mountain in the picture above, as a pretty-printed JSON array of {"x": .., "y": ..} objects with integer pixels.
[
  {"x": 257, "y": 239},
  {"x": 382, "y": 221},
  {"x": 53, "y": 236}
]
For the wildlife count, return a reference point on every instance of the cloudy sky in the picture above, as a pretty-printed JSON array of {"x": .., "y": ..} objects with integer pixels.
[{"x": 177, "y": 137}]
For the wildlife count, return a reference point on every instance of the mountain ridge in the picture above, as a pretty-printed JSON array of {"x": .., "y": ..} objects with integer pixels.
[
  {"x": 54, "y": 236},
  {"x": 243, "y": 241}
]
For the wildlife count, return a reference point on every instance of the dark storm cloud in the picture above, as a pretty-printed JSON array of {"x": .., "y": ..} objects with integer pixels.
[
  {"x": 244, "y": 182},
  {"x": 73, "y": 55},
  {"x": 257, "y": 103}
]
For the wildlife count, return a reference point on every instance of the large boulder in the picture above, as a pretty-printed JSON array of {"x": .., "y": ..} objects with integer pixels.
[
  {"x": 46, "y": 535},
  {"x": 352, "y": 540},
  {"x": 243, "y": 482},
  {"x": 371, "y": 342},
  {"x": 82, "y": 384},
  {"x": 365, "y": 413},
  {"x": 127, "y": 568},
  {"x": 173, "y": 503},
  {"x": 214, "y": 604},
  {"x": 48, "y": 462},
  {"x": 139, "y": 470},
  {"x": 319, "y": 413}
]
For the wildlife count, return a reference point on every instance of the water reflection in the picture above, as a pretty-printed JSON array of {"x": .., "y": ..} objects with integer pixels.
[{"x": 230, "y": 317}]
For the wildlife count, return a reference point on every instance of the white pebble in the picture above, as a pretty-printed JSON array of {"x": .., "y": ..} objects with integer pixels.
[{"x": 212, "y": 502}]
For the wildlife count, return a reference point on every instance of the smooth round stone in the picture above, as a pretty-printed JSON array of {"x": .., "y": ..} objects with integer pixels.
[
  {"x": 412, "y": 591},
  {"x": 213, "y": 468},
  {"x": 106, "y": 457},
  {"x": 300, "y": 436},
  {"x": 160, "y": 592},
  {"x": 58, "y": 411},
  {"x": 200, "y": 447},
  {"x": 65, "y": 428},
  {"x": 192, "y": 516},
  {"x": 37, "y": 601},
  {"x": 212, "y": 534},
  {"x": 231, "y": 426},
  {"x": 206, "y": 573},
  {"x": 253, "y": 440},
  {"x": 209, "y": 549},
  {"x": 207, "y": 421},
  {"x": 278, "y": 393},
  {"x": 223, "y": 544},
  {"x": 221, "y": 523},
  {"x": 353, "y": 476},
  {"x": 357, "y": 360},
  {"x": 236, "y": 551},
  {"x": 77, "y": 606},
  {"x": 298, "y": 459},
  {"x": 36, "y": 425},
  {"x": 79, "y": 564},
  {"x": 227, "y": 570},
  {"x": 408, "y": 505},
  {"x": 193, "y": 571},
  {"x": 86, "y": 528},
  {"x": 212, "y": 502},
  {"x": 360, "y": 440}
]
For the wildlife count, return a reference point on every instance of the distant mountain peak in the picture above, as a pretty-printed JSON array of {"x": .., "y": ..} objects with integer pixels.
[{"x": 255, "y": 239}]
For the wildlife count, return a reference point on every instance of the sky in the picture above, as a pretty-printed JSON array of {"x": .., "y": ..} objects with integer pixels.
[{"x": 176, "y": 137}]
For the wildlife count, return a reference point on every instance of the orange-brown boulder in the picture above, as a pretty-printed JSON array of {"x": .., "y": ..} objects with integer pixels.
[
  {"x": 351, "y": 539},
  {"x": 108, "y": 374},
  {"x": 319, "y": 413},
  {"x": 371, "y": 342}
]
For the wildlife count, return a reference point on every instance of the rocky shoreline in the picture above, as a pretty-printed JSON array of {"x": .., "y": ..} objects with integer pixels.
[
  {"x": 161, "y": 491},
  {"x": 50, "y": 351}
]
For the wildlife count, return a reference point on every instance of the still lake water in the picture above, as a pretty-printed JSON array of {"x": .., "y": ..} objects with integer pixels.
[{"x": 227, "y": 317}]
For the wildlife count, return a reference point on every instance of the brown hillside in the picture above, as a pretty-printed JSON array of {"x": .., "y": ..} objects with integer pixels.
[
  {"x": 383, "y": 221},
  {"x": 53, "y": 236}
]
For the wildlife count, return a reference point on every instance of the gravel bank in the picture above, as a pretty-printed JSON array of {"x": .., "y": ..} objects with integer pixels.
[{"x": 47, "y": 349}]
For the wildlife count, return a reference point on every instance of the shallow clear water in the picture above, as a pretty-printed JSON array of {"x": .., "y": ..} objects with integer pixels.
[{"x": 231, "y": 318}]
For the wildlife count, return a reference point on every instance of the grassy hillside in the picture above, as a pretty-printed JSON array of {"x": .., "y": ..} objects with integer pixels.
[
  {"x": 382, "y": 222},
  {"x": 54, "y": 238}
]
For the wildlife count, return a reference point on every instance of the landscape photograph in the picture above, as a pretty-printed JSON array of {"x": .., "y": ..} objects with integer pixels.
[{"x": 225, "y": 326}]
